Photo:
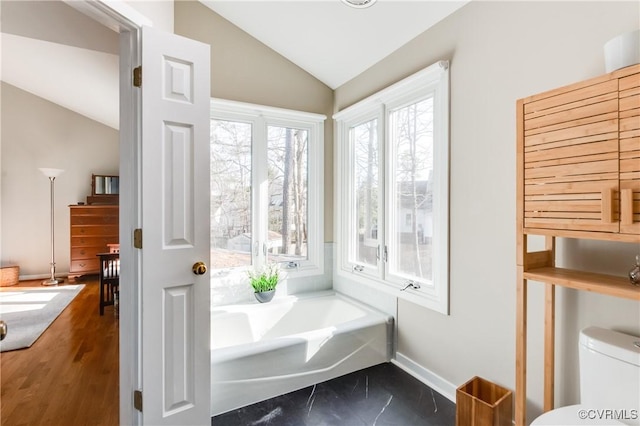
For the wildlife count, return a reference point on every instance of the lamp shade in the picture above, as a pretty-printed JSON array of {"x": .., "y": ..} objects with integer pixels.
[{"x": 51, "y": 173}]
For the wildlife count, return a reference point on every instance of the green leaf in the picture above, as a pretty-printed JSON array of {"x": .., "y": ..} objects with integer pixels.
[{"x": 265, "y": 279}]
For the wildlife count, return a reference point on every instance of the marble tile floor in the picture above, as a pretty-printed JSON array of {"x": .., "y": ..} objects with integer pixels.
[{"x": 379, "y": 395}]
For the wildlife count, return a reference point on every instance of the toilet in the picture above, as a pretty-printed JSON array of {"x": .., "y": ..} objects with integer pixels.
[{"x": 609, "y": 382}]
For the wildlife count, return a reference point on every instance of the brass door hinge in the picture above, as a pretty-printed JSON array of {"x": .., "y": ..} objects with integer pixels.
[
  {"x": 137, "y": 76},
  {"x": 137, "y": 238},
  {"x": 137, "y": 400}
]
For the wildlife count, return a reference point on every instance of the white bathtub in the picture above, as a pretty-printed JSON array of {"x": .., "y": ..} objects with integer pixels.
[{"x": 264, "y": 350}]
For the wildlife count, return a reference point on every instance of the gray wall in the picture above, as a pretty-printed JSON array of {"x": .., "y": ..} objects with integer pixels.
[
  {"x": 500, "y": 52},
  {"x": 40, "y": 133},
  {"x": 244, "y": 69}
]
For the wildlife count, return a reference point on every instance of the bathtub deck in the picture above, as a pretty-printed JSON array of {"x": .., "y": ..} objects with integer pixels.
[{"x": 380, "y": 395}]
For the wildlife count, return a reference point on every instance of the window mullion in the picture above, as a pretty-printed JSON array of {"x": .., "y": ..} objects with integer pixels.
[
  {"x": 349, "y": 201},
  {"x": 260, "y": 193},
  {"x": 382, "y": 192},
  {"x": 348, "y": 172},
  {"x": 388, "y": 209}
]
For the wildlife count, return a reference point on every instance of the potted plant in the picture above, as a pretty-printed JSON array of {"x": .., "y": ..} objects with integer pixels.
[{"x": 264, "y": 282}]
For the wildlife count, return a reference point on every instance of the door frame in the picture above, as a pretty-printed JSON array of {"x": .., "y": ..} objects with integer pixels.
[{"x": 128, "y": 22}]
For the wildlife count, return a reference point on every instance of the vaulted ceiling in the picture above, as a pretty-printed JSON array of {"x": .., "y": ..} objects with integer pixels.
[
  {"x": 330, "y": 40},
  {"x": 45, "y": 50},
  {"x": 55, "y": 52}
]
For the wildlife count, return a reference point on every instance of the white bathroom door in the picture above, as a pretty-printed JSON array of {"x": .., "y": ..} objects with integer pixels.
[{"x": 174, "y": 157}]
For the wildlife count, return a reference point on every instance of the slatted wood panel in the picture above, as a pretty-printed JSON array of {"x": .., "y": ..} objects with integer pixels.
[
  {"x": 558, "y": 131},
  {"x": 571, "y": 161},
  {"x": 629, "y": 100}
]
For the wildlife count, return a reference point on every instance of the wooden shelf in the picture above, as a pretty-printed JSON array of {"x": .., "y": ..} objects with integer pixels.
[
  {"x": 575, "y": 178},
  {"x": 604, "y": 236},
  {"x": 586, "y": 281}
]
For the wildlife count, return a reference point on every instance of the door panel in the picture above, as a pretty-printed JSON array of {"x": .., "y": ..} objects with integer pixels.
[{"x": 175, "y": 218}]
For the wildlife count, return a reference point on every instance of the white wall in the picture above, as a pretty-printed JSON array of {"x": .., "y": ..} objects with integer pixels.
[
  {"x": 500, "y": 52},
  {"x": 44, "y": 120},
  {"x": 37, "y": 133},
  {"x": 160, "y": 12}
]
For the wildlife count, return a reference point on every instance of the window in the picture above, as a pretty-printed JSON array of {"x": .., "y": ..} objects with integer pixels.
[
  {"x": 393, "y": 174},
  {"x": 266, "y": 183}
]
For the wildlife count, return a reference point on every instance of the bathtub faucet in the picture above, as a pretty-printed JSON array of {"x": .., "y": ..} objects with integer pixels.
[{"x": 412, "y": 284}]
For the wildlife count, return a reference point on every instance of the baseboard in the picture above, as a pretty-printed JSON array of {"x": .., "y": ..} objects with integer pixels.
[
  {"x": 429, "y": 378},
  {"x": 40, "y": 277}
]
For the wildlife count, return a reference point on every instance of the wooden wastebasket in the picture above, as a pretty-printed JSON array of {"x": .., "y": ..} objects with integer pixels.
[{"x": 480, "y": 402}]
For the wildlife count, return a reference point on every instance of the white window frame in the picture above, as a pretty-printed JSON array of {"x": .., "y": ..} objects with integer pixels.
[
  {"x": 260, "y": 117},
  {"x": 431, "y": 81}
]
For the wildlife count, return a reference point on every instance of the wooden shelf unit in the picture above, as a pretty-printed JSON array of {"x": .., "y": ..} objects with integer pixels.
[
  {"x": 586, "y": 281},
  {"x": 578, "y": 176}
]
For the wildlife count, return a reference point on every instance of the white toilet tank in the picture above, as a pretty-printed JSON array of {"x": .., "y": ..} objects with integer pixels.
[{"x": 610, "y": 371}]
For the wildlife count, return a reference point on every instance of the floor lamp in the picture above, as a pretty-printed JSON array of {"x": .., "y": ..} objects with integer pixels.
[{"x": 52, "y": 174}]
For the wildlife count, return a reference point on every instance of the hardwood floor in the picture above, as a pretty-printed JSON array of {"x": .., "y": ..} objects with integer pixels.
[{"x": 69, "y": 376}]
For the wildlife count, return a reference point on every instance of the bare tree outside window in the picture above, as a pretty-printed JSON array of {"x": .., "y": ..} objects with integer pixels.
[
  {"x": 230, "y": 194},
  {"x": 364, "y": 138},
  {"x": 411, "y": 133},
  {"x": 266, "y": 190},
  {"x": 392, "y": 177},
  {"x": 287, "y": 151}
]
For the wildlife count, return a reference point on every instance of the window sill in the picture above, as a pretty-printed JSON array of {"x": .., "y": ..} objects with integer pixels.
[{"x": 420, "y": 297}]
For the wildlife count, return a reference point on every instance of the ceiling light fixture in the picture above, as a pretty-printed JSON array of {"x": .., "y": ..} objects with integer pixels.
[{"x": 360, "y": 4}]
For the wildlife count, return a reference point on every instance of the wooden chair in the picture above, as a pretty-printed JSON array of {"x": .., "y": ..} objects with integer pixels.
[{"x": 109, "y": 279}]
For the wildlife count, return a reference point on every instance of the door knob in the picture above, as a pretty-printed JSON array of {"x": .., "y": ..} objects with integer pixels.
[
  {"x": 199, "y": 268},
  {"x": 3, "y": 330}
]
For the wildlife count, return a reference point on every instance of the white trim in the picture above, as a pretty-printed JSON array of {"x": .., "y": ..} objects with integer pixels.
[
  {"x": 441, "y": 191},
  {"x": 41, "y": 276},
  {"x": 260, "y": 117},
  {"x": 130, "y": 219},
  {"x": 122, "y": 18},
  {"x": 418, "y": 297},
  {"x": 344, "y": 121},
  {"x": 399, "y": 89},
  {"x": 426, "y": 376},
  {"x": 113, "y": 14},
  {"x": 235, "y": 107},
  {"x": 432, "y": 81}
]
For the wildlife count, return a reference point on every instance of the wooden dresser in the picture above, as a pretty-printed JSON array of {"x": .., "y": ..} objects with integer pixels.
[{"x": 93, "y": 227}]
